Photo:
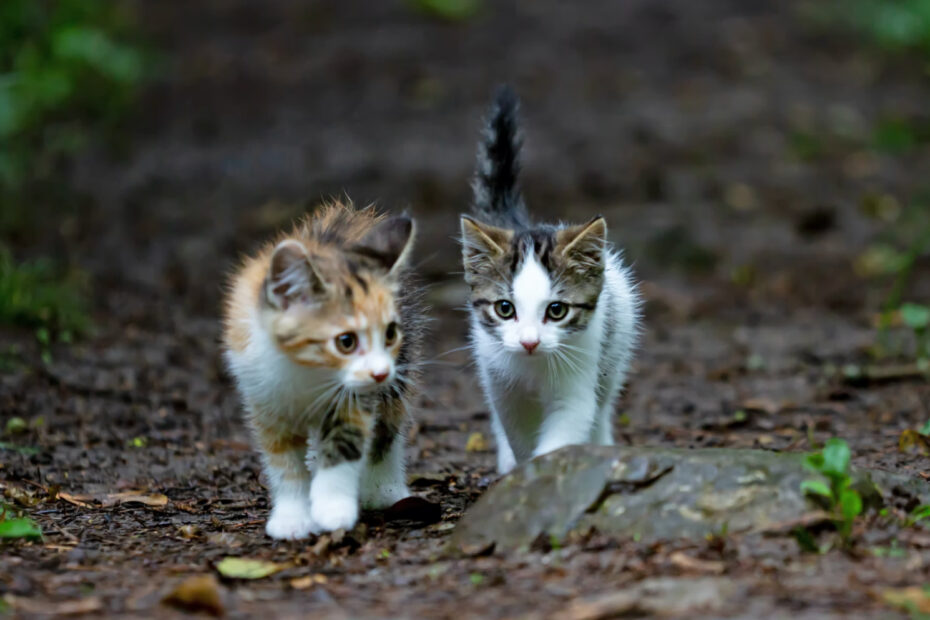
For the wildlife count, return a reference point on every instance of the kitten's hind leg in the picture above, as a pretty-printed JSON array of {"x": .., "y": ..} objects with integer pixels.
[
  {"x": 283, "y": 459},
  {"x": 334, "y": 492},
  {"x": 384, "y": 481}
]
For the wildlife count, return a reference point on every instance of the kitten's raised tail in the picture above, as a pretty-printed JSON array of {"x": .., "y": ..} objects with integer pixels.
[{"x": 497, "y": 199}]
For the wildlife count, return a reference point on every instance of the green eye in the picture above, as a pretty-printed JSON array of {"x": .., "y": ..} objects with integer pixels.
[
  {"x": 504, "y": 309},
  {"x": 390, "y": 334},
  {"x": 557, "y": 311},
  {"x": 347, "y": 342}
]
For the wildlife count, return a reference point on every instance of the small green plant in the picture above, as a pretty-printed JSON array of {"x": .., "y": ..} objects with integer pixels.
[
  {"x": 17, "y": 526},
  {"x": 917, "y": 515},
  {"x": 843, "y": 501},
  {"x": 917, "y": 318}
]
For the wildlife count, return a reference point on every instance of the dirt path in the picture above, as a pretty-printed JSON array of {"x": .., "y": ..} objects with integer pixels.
[{"x": 683, "y": 122}]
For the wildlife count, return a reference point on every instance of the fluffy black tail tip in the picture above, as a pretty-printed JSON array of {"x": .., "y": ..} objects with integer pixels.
[{"x": 497, "y": 196}]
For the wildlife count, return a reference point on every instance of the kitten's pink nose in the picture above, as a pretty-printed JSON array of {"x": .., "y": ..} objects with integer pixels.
[
  {"x": 379, "y": 376},
  {"x": 530, "y": 346}
]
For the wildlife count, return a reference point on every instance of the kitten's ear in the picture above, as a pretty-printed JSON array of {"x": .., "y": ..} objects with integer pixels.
[
  {"x": 481, "y": 242},
  {"x": 388, "y": 243},
  {"x": 584, "y": 244},
  {"x": 291, "y": 277}
]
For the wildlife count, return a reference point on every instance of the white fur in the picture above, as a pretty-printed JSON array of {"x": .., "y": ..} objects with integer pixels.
[
  {"x": 292, "y": 398},
  {"x": 334, "y": 496},
  {"x": 548, "y": 399}
]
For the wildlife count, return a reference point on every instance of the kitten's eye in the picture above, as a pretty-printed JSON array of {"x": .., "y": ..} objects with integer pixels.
[
  {"x": 347, "y": 342},
  {"x": 390, "y": 334},
  {"x": 557, "y": 311},
  {"x": 504, "y": 309}
]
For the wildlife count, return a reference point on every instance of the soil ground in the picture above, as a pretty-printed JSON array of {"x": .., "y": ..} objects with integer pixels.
[{"x": 687, "y": 124}]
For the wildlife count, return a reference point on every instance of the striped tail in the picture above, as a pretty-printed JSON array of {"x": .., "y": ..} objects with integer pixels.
[{"x": 497, "y": 199}]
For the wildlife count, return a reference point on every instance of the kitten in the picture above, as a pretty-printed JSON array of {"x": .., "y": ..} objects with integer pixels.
[
  {"x": 321, "y": 331},
  {"x": 554, "y": 312}
]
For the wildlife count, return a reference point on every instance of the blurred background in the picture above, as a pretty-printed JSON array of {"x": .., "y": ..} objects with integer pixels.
[
  {"x": 763, "y": 164},
  {"x": 749, "y": 156}
]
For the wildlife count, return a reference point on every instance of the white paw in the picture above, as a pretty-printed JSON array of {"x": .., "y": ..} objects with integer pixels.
[
  {"x": 385, "y": 496},
  {"x": 334, "y": 512},
  {"x": 289, "y": 521}
]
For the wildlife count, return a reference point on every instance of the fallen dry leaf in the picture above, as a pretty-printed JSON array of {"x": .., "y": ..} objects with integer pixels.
[
  {"x": 107, "y": 500},
  {"x": 48, "y": 608},
  {"x": 912, "y": 441},
  {"x": 74, "y": 499},
  {"x": 913, "y": 599},
  {"x": 686, "y": 562},
  {"x": 763, "y": 404},
  {"x": 307, "y": 581},
  {"x": 245, "y": 568},
  {"x": 476, "y": 443},
  {"x": 197, "y": 593}
]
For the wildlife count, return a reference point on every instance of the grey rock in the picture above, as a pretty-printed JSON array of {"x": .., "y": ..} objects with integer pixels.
[{"x": 655, "y": 494}]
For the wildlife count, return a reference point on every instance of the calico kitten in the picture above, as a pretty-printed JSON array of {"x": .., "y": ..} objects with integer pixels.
[
  {"x": 321, "y": 332},
  {"x": 553, "y": 310}
]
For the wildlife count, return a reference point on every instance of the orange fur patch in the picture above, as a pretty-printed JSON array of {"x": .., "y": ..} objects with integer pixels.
[{"x": 357, "y": 298}]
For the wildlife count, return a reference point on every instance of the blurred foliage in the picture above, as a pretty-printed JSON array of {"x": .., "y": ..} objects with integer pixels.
[
  {"x": 34, "y": 294},
  {"x": 451, "y": 10},
  {"x": 892, "y": 24},
  {"x": 67, "y": 70},
  {"x": 902, "y": 246}
]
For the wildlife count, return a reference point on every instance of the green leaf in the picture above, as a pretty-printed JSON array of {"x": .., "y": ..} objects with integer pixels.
[
  {"x": 24, "y": 450},
  {"x": 836, "y": 457},
  {"x": 918, "y": 514},
  {"x": 816, "y": 487},
  {"x": 915, "y": 316},
  {"x": 244, "y": 568},
  {"x": 850, "y": 504},
  {"x": 20, "y": 528},
  {"x": 814, "y": 462},
  {"x": 925, "y": 429}
]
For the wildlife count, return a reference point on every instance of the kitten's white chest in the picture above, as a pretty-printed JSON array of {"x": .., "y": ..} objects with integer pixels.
[{"x": 281, "y": 392}]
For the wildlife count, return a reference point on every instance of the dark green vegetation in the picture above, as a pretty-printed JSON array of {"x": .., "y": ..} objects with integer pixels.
[
  {"x": 70, "y": 71},
  {"x": 67, "y": 73},
  {"x": 35, "y": 294}
]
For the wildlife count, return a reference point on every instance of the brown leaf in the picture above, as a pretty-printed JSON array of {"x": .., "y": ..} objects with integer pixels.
[
  {"x": 476, "y": 443},
  {"x": 197, "y": 593},
  {"x": 74, "y": 499},
  {"x": 763, "y": 404},
  {"x": 912, "y": 441},
  {"x": 913, "y": 599},
  {"x": 414, "y": 508},
  {"x": 307, "y": 581},
  {"x": 47, "y": 608},
  {"x": 107, "y": 500},
  {"x": 686, "y": 562}
]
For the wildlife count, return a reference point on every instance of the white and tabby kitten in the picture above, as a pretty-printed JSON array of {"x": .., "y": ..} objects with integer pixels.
[{"x": 554, "y": 312}]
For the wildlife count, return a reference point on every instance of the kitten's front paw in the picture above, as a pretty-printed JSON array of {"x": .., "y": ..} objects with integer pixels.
[
  {"x": 334, "y": 513},
  {"x": 290, "y": 521},
  {"x": 385, "y": 496}
]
